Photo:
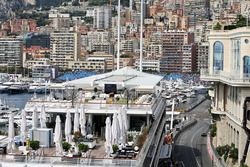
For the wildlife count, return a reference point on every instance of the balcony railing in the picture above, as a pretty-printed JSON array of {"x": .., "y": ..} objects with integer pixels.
[{"x": 227, "y": 77}]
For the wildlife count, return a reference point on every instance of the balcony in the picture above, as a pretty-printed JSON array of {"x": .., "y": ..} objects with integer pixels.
[{"x": 233, "y": 79}]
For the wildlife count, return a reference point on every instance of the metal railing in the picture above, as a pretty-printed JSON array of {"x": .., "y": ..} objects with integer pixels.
[
  {"x": 231, "y": 77},
  {"x": 38, "y": 160}
]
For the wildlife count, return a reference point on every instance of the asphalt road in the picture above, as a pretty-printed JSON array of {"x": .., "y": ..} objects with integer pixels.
[{"x": 190, "y": 148}]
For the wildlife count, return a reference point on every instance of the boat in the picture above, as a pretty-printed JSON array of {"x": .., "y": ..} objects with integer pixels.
[
  {"x": 18, "y": 87},
  {"x": 38, "y": 88},
  {"x": 3, "y": 88}
]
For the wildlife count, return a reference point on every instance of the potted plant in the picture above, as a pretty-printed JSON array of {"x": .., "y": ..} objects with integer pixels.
[
  {"x": 83, "y": 147},
  {"x": 115, "y": 149},
  {"x": 66, "y": 146},
  {"x": 35, "y": 145}
]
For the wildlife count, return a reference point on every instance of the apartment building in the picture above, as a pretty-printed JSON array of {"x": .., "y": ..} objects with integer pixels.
[
  {"x": 102, "y": 17},
  {"x": 202, "y": 55},
  {"x": 149, "y": 65},
  {"x": 129, "y": 45},
  {"x": 229, "y": 71},
  {"x": 11, "y": 51},
  {"x": 65, "y": 47},
  {"x": 178, "y": 52},
  {"x": 97, "y": 64}
]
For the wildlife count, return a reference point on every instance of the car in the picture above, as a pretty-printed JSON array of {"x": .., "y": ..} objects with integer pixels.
[{"x": 204, "y": 134}]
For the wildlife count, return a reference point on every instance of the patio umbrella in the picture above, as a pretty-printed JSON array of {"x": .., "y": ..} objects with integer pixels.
[
  {"x": 43, "y": 117},
  {"x": 11, "y": 133},
  {"x": 125, "y": 121},
  {"x": 34, "y": 118},
  {"x": 115, "y": 129},
  {"x": 58, "y": 136},
  {"x": 83, "y": 121},
  {"x": 68, "y": 127},
  {"x": 23, "y": 127},
  {"x": 76, "y": 120},
  {"x": 121, "y": 138},
  {"x": 108, "y": 137}
]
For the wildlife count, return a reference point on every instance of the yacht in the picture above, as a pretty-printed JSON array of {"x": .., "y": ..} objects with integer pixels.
[
  {"x": 3, "y": 88},
  {"x": 18, "y": 87},
  {"x": 37, "y": 87}
]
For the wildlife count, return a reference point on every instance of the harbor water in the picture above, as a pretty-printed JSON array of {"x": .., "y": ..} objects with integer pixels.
[{"x": 16, "y": 100}]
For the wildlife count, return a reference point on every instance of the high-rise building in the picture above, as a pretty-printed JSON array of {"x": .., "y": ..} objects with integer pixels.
[
  {"x": 102, "y": 17},
  {"x": 11, "y": 52},
  {"x": 202, "y": 55},
  {"x": 229, "y": 71},
  {"x": 64, "y": 46},
  {"x": 178, "y": 52}
]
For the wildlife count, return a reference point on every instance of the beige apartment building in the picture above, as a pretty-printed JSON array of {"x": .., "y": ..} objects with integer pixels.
[
  {"x": 65, "y": 47},
  {"x": 93, "y": 64},
  {"x": 229, "y": 71}
]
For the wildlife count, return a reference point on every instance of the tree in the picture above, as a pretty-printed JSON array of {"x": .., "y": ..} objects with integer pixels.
[
  {"x": 88, "y": 20},
  {"x": 217, "y": 26},
  {"x": 35, "y": 145},
  {"x": 75, "y": 3}
]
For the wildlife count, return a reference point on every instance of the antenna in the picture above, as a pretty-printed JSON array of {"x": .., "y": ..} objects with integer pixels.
[
  {"x": 118, "y": 33},
  {"x": 141, "y": 45}
]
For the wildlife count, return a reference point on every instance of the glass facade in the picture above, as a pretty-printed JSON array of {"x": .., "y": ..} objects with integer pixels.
[
  {"x": 246, "y": 61},
  {"x": 236, "y": 55},
  {"x": 218, "y": 56}
]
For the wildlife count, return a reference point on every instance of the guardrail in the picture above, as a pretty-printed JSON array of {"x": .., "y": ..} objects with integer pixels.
[
  {"x": 145, "y": 158},
  {"x": 37, "y": 160}
]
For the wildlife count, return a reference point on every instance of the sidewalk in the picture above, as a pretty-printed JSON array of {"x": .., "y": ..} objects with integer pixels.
[{"x": 215, "y": 158}]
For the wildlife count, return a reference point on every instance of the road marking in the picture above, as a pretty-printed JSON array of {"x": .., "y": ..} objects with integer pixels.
[{"x": 192, "y": 140}]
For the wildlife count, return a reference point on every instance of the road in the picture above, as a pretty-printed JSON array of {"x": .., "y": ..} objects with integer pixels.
[{"x": 190, "y": 147}]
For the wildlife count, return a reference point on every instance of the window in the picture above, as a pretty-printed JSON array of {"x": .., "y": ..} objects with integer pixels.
[
  {"x": 218, "y": 56},
  {"x": 246, "y": 68}
]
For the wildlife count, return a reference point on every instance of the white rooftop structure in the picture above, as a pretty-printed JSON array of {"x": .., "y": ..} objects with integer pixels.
[{"x": 126, "y": 77}]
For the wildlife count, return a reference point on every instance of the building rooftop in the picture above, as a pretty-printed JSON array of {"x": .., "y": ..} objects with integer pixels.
[{"x": 123, "y": 78}]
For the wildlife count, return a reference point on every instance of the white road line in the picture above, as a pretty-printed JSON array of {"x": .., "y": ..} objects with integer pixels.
[{"x": 198, "y": 131}]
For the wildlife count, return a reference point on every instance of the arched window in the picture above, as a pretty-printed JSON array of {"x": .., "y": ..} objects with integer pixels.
[
  {"x": 218, "y": 56},
  {"x": 246, "y": 67}
]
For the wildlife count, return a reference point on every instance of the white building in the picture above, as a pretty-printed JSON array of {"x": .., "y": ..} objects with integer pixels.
[
  {"x": 65, "y": 47},
  {"x": 11, "y": 52},
  {"x": 149, "y": 65},
  {"x": 229, "y": 70},
  {"x": 102, "y": 17}
]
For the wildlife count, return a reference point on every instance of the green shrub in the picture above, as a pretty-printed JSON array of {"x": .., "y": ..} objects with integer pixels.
[
  {"x": 213, "y": 130},
  {"x": 83, "y": 147},
  {"x": 233, "y": 153},
  {"x": 130, "y": 138},
  {"x": 243, "y": 165},
  {"x": 66, "y": 146},
  {"x": 115, "y": 148},
  {"x": 228, "y": 151},
  {"x": 35, "y": 145}
]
